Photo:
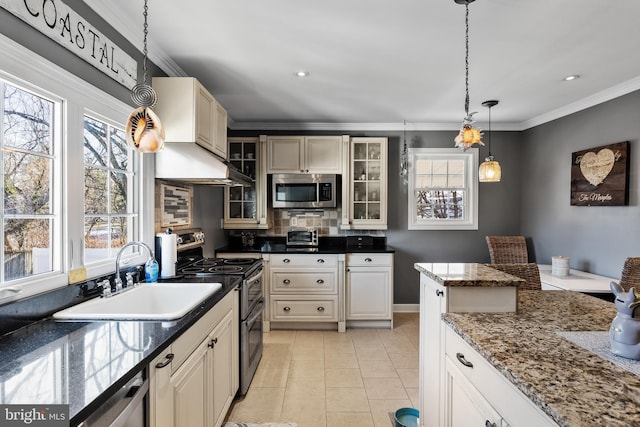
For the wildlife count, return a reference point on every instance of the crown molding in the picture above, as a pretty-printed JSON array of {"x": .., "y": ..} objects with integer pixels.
[
  {"x": 131, "y": 30},
  {"x": 590, "y": 101}
]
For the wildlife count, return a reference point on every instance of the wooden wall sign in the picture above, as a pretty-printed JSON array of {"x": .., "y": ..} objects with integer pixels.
[
  {"x": 600, "y": 176},
  {"x": 60, "y": 23}
]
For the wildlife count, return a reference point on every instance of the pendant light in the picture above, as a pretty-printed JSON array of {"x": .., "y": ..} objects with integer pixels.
[
  {"x": 404, "y": 157},
  {"x": 144, "y": 130},
  {"x": 468, "y": 135},
  {"x": 490, "y": 169}
]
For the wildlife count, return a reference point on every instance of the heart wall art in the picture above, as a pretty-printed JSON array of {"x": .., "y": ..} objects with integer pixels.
[{"x": 600, "y": 176}]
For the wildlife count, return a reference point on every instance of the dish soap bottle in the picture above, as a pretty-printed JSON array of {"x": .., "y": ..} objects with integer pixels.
[{"x": 151, "y": 271}]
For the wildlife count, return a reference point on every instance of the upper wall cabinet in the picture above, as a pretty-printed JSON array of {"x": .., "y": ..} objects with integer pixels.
[
  {"x": 190, "y": 113},
  {"x": 304, "y": 154}
]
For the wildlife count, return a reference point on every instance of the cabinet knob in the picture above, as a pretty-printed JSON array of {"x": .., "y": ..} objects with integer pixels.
[
  {"x": 320, "y": 309},
  {"x": 464, "y": 361},
  {"x": 439, "y": 293},
  {"x": 286, "y": 260},
  {"x": 169, "y": 357},
  {"x": 213, "y": 342},
  {"x": 319, "y": 281},
  {"x": 320, "y": 260},
  {"x": 488, "y": 423},
  {"x": 286, "y": 281},
  {"x": 368, "y": 260},
  {"x": 287, "y": 309}
]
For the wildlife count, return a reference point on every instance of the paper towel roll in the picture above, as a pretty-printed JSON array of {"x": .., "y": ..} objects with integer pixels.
[
  {"x": 560, "y": 266},
  {"x": 168, "y": 254}
]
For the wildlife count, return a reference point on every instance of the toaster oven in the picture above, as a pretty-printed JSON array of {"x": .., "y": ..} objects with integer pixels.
[{"x": 302, "y": 237}]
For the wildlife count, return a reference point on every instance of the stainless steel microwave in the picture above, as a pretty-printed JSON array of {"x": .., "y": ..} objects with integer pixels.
[{"x": 292, "y": 190}]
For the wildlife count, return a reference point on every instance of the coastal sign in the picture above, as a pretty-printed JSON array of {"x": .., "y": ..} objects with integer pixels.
[
  {"x": 600, "y": 176},
  {"x": 60, "y": 23}
]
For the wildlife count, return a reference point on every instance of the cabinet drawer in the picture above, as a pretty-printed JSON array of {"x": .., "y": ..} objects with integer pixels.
[
  {"x": 319, "y": 309},
  {"x": 189, "y": 340},
  {"x": 369, "y": 259},
  {"x": 303, "y": 260},
  {"x": 500, "y": 393},
  {"x": 312, "y": 282}
]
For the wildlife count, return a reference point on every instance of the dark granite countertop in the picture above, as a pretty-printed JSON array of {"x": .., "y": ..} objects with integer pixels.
[
  {"x": 326, "y": 245},
  {"x": 569, "y": 383},
  {"x": 82, "y": 363}
]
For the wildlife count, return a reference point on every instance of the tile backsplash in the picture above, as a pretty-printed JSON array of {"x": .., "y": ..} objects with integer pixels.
[{"x": 326, "y": 221}]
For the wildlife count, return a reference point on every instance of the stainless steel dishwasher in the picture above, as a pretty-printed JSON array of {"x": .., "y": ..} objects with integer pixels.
[{"x": 126, "y": 408}]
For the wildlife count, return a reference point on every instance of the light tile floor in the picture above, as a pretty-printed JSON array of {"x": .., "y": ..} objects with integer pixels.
[{"x": 329, "y": 379}]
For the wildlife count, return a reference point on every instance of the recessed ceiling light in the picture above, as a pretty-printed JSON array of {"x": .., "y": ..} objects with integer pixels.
[
  {"x": 302, "y": 73},
  {"x": 571, "y": 77}
]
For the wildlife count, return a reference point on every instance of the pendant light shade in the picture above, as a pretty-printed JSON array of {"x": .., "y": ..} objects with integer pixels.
[
  {"x": 144, "y": 131},
  {"x": 490, "y": 170}
]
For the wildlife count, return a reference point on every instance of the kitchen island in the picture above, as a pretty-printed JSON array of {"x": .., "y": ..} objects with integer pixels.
[{"x": 516, "y": 368}]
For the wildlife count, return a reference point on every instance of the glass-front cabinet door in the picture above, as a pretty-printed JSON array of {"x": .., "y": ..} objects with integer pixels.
[
  {"x": 241, "y": 203},
  {"x": 368, "y": 192}
]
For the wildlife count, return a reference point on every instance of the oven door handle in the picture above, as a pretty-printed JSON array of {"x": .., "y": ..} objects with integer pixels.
[
  {"x": 252, "y": 320},
  {"x": 255, "y": 277},
  {"x": 124, "y": 416}
]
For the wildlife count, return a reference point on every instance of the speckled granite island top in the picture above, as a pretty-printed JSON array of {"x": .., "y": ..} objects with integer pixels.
[
  {"x": 466, "y": 274},
  {"x": 572, "y": 385}
]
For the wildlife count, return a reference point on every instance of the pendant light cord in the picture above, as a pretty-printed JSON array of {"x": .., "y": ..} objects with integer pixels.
[
  {"x": 466, "y": 60},
  {"x": 144, "y": 49}
]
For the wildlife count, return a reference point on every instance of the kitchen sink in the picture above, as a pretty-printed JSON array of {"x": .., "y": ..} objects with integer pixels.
[{"x": 153, "y": 301}]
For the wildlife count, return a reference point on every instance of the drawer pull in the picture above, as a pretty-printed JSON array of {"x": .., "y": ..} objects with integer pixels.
[
  {"x": 464, "y": 361},
  {"x": 319, "y": 281},
  {"x": 286, "y": 281},
  {"x": 287, "y": 309},
  {"x": 488, "y": 423},
  {"x": 286, "y": 260},
  {"x": 213, "y": 342},
  {"x": 321, "y": 309},
  {"x": 169, "y": 358},
  {"x": 320, "y": 261},
  {"x": 439, "y": 293},
  {"x": 368, "y": 260}
]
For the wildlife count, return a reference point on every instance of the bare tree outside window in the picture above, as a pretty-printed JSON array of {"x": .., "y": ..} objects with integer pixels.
[
  {"x": 27, "y": 142},
  {"x": 108, "y": 206}
]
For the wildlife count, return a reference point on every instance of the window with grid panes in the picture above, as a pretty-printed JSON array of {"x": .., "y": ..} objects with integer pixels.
[{"x": 443, "y": 187}]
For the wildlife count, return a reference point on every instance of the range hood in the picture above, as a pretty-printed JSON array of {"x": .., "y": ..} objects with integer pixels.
[{"x": 188, "y": 162}]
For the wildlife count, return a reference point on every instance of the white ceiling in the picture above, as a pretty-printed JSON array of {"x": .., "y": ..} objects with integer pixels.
[{"x": 375, "y": 63}]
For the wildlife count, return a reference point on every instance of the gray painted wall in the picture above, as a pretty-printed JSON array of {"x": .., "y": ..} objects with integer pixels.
[{"x": 598, "y": 239}]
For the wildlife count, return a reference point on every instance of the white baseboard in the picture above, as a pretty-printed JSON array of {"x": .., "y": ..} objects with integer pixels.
[{"x": 406, "y": 308}]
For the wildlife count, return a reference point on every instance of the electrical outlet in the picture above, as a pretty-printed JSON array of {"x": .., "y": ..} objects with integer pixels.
[
  {"x": 78, "y": 275},
  {"x": 293, "y": 221}
]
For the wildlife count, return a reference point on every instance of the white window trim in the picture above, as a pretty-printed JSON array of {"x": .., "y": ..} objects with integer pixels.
[
  {"x": 470, "y": 221},
  {"x": 19, "y": 64}
]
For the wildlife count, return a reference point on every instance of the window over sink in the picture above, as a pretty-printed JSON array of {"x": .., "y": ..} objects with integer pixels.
[{"x": 69, "y": 177}]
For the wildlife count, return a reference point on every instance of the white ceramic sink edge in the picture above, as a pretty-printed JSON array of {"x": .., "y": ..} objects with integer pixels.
[{"x": 153, "y": 301}]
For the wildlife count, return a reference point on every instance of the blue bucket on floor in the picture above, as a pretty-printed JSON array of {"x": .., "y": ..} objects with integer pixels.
[{"x": 407, "y": 417}]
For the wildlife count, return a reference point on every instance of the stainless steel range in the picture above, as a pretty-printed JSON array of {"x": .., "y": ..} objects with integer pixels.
[{"x": 192, "y": 264}]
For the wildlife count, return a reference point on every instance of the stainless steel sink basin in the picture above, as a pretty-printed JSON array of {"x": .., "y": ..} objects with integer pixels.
[{"x": 153, "y": 301}]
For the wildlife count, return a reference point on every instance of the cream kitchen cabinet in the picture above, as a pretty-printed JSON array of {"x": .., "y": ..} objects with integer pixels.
[
  {"x": 477, "y": 394},
  {"x": 190, "y": 113},
  {"x": 366, "y": 195},
  {"x": 305, "y": 154},
  {"x": 194, "y": 381},
  {"x": 304, "y": 289},
  {"x": 246, "y": 207},
  {"x": 369, "y": 289}
]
